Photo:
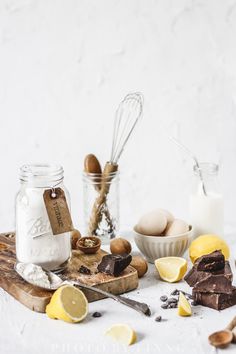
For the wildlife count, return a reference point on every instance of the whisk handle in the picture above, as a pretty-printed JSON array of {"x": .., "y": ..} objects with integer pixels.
[{"x": 106, "y": 178}]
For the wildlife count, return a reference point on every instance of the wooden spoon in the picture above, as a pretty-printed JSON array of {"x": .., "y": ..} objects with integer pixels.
[
  {"x": 92, "y": 165},
  {"x": 222, "y": 339}
]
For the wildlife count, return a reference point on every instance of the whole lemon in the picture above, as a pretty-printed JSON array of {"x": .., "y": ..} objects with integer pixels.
[{"x": 206, "y": 244}]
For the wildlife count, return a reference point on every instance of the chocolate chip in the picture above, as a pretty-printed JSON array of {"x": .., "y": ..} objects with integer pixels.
[
  {"x": 175, "y": 292},
  {"x": 164, "y": 306},
  {"x": 171, "y": 300},
  {"x": 158, "y": 319},
  {"x": 163, "y": 298},
  {"x": 173, "y": 305},
  {"x": 97, "y": 314}
]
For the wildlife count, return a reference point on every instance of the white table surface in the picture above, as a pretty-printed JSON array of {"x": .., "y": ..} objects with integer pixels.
[{"x": 28, "y": 332}]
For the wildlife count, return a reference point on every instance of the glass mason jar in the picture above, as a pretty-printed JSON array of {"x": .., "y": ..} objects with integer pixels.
[
  {"x": 206, "y": 208},
  {"x": 35, "y": 242},
  {"x": 101, "y": 211}
]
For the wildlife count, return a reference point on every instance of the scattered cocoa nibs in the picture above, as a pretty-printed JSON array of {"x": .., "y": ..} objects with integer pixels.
[
  {"x": 163, "y": 298},
  {"x": 158, "y": 319},
  {"x": 84, "y": 270},
  {"x": 164, "y": 306},
  {"x": 97, "y": 314},
  {"x": 172, "y": 302}
]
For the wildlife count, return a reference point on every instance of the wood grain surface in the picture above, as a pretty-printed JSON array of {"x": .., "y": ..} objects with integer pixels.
[{"x": 36, "y": 299}]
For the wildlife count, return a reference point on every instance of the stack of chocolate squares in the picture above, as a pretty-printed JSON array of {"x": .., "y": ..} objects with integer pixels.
[{"x": 211, "y": 279}]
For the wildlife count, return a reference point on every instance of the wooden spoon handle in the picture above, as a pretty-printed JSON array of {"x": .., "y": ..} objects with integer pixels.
[
  {"x": 234, "y": 334},
  {"x": 232, "y": 327},
  {"x": 232, "y": 324}
]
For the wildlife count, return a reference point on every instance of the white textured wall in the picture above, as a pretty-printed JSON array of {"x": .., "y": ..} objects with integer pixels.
[{"x": 66, "y": 64}]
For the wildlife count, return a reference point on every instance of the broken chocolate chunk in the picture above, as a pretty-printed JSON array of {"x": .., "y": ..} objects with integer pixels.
[
  {"x": 194, "y": 276},
  {"x": 84, "y": 270},
  {"x": 214, "y": 300},
  {"x": 114, "y": 264},
  {"x": 214, "y": 284},
  {"x": 210, "y": 262}
]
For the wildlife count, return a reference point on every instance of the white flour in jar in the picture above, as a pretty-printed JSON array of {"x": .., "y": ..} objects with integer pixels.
[{"x": 35, "y": 242}]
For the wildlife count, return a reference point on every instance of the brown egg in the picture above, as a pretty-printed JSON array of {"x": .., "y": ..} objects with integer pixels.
[
  {"x": 120, "y": 246},
  {"x": 153, "y": 223},
  {"x": 75, "y": 236},
  {"x": 176, "y": 227},
  {"x": 140, "y": 264},
  {"x": 169, "y": 216}
]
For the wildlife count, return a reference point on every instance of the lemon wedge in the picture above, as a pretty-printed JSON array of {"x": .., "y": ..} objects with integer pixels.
[
  {"x": 68, "y": 304},
  {"x": 122, "y": 333},
  {"x": 184, "y": 308},
  {"x": 171, "y": 269}
]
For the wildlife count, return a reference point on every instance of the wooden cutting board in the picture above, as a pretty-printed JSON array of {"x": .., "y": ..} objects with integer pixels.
[{"x": 37, "y": 299}]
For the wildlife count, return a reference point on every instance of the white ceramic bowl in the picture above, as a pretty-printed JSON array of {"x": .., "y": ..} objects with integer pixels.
[{"x": 153, "y": 247}]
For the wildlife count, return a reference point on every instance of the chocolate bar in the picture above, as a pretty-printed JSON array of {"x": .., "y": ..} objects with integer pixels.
[
  {"x": 194, "y": 276},
  {"x": 215, "y": 301},
  {"x": 210, "y": 262},
  {"x": 214, "y": 284},
  {"x": 114, "y": 264}
]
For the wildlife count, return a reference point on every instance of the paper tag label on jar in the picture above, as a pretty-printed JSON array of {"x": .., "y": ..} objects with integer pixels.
[{"x": 58, "y": 211}]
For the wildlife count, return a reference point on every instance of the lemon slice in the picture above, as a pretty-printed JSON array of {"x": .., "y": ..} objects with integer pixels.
[
  {"x": 68, "y": 304},
  {"x": 122, "y": 333},
  {"x": 184, "y": 308},
  {"x": 171, "y": 269}
]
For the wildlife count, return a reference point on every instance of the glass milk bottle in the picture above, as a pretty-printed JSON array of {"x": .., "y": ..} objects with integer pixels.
[
  {"x": 35, "y": 242},
  {"x": 206, "y": 210}
]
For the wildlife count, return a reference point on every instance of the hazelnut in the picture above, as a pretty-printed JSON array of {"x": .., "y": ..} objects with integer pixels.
[
  {"x": 120, "y": 246},
  {"x": 75, "y": 236},
  {"x": 140, "y": 264}
]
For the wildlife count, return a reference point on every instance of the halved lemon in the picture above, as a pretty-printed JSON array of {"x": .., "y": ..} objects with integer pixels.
[
  {"x": 184, "y": 308},
  {"x": 122, "y": 333},
  {"x": 68, "y": 304},
  {"x": 171, "y": 269}
]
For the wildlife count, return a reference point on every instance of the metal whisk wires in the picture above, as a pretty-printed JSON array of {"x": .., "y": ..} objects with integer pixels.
[{"x": 127, "y": 115}]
